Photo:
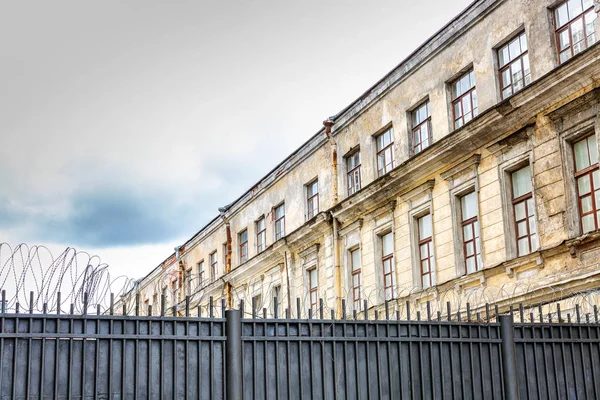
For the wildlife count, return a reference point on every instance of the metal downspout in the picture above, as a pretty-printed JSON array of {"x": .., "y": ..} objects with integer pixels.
[
  {"x": 228, "y": 291},
  {"x": 328, "y": 123},
  {"x": 336, "y": 265}
]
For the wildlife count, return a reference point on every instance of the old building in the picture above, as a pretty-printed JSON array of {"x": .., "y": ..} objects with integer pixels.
[{"x": 468, "y": 173}]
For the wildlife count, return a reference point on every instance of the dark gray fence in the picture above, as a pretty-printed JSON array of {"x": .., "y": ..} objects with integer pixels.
[
  {"x": 190, "y": 357},
  {"x": 371, "y": 360},
  {"x": 111, "y": 357}
]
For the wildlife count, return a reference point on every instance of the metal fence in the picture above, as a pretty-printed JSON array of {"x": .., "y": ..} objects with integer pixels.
[{"x": 380, "y": 356}]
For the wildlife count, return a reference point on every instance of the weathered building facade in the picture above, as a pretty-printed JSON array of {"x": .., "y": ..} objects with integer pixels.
[{"x": 468, "y": 173}]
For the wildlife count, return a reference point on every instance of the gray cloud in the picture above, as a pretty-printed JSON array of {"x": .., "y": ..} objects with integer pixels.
[{"x": 104, "y": 218}]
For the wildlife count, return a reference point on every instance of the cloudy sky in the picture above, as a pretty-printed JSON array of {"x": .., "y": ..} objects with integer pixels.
[{"x": 124, "y": 125}]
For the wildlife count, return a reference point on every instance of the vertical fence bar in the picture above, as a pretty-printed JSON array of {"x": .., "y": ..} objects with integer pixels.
[
  {"x": 233, "y": 329},
  {"x": 509, "y": 359}
]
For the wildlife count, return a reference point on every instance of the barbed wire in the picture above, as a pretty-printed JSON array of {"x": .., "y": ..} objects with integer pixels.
[
  {"x": 34, "y": 279},
  {"x": 258, "y": 295}
]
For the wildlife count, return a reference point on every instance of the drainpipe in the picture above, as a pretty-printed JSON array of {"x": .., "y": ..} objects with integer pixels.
[
  {"x": 336, "y": 265},
  {"x": 228, "y": 291},
  {"x": 180, "y": 274},
  {"x": 287, "y": 277},
  {"x": 328, "y": 123}
]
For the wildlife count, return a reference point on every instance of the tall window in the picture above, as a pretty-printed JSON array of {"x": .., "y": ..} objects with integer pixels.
[
  {"x": 470, "y": 232},
  {"x": 353, "y": 168},
  {"x": 575, "y": 30},
  {"x": 314, "y": 288},
  {"x": 213, "y": 265},
  {"x": 188, "y": 282},
  {"x": 225, "y": 251},
  {"x": 312, "y": 199},
  {"x": 356, "y": 277},
  {"x": 201, "y": 275},
  {"x": 261, "y": 235},
  {"x": 174, "y": 291},
  {"x": 421, "y": 128},
  {"x": 277, "y": 297},
  {"x": 464, "y": 99},
  {"x": 425, "y": 235},
  {"x": 513, "y": 60},
  {"x": 257, "y": 303},
  {"x": 522, "y": 200},
  {"x": 385, "y": 152},
  {"x": 387, "y": 259},
  {"x": 279, "y": 214},
  {"x": 243, "y": 241},
  {"x": 155, "y": 302},
  {"x": 587, "y": 176}
]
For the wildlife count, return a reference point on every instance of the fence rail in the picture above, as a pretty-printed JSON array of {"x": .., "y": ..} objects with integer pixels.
[{"x": 381, "y": 355}]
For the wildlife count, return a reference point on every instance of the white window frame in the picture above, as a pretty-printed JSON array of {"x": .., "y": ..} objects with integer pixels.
[{"x": 568, "y": 137}]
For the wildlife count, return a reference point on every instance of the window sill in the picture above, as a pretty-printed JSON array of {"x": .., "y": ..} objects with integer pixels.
[
  {"x": 470, "y": 280},
  {"x": 584, "y": 239},
  {"x": 523, "y": 263}
]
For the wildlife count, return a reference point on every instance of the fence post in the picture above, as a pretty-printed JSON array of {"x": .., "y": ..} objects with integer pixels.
[
  {"x": 509, "y": 359},
  {"x": 233, "y": 351}
]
